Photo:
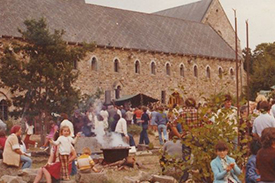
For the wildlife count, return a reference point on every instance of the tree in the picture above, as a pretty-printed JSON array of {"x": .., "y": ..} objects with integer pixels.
[
  {"x": 263, "y": 68},
  {"x": 40, "y": 70},
  {"x": 250, "y": 56}
]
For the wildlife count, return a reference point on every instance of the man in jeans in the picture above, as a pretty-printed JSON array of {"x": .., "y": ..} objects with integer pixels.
[{"x": 161, "y": 120}]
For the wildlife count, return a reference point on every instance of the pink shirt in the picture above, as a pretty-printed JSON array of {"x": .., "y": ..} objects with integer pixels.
[
  {"x": 3, "y": 141},
  {"x": 52, "y": 131}
]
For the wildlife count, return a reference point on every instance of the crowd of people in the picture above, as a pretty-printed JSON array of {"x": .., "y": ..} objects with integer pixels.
[
  {"x": 167, "y": 123},
  {"x": 260, "y": 127}
]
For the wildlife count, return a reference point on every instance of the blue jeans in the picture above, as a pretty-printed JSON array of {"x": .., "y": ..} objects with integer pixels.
[
  {"x": 74, "y": 169},
  {"x": 162, "y": 129},
  {"x": 144, "y": 135},
  {"x": 27, "y": 162},
  {"x": 179, "y": 128},
  {"x": 131, "y": 140}
]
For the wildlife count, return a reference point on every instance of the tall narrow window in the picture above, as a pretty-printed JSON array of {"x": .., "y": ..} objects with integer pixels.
[
  {"x": 181, "y": 70},
  {"x": 117, "y": 92},
  {"x": 232, "y": 73},
  {"x": 116, "y": 65},
  {"x": 94, "y": 64},
  {"x": 208, "y": 72},
  {"x": 137, "y": 67},
  {"x": 220, "y": 72},
  {"x": 4, "y": 110},
  {"x": 195, "y": 71},
  {"x": 153, "y": 68},
  {"x": 168, "y": 70}
]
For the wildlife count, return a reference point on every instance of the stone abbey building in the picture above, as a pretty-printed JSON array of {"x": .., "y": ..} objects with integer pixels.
[{"x": 191, "y": 46}]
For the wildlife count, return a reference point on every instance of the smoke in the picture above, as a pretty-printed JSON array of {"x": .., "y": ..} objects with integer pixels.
[
  {"x": 106, "y": 139},
  {"x": 116, "y": 140},
  {"x": 109, "y": 139},
  {"x": 97, "y": 106},
  {"x": 100, "y": 133}
]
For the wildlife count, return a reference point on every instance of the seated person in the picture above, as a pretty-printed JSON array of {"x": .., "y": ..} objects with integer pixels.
[
  {"x": 84, "y": 162},
  {"x": 53, "y": 131},
  {"x": 224, "y": 167},
  {"x": 51, "y": 171},
  {"x": 3, "y": 139},
  {"x": 251, "y": 175},
  {"x": 12, "y": 155},
  {"x": 172, "y": 152}
]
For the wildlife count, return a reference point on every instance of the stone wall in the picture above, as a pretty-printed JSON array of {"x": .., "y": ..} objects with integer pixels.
[
  {"x": 217, "y": 18},
  {"x": 130, "y": 82},
  {"x": 152, "y": 85}
]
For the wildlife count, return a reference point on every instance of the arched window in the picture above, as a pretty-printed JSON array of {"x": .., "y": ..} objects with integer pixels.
[
  {"x": 195, "y": 71},
  {"x": 137, "y": 67},
  {"x": 168, "y": 69},
  {"x": 94, "y": 64},
  {"x": 116, "y": 65},
  {"x": 153, "y": 68},
  {"x": 4, "y": 110},
  {"x": 208, "y": 72},
  {"x": 181, "y": 70},
  {"x": 117, "y": 92},
  {"x": 231, "y": 73},
  {"x": 220, "y": 72}
]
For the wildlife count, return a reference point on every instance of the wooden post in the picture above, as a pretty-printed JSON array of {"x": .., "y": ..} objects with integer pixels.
[
  {"x": 247, "y": 65},
  {"x": 237, "y": 66}
]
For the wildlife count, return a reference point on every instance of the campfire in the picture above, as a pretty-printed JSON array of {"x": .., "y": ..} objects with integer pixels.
[{"x": 113, "y": 147}]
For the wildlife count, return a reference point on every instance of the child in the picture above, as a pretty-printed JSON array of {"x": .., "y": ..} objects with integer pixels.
[
  {"x": 84, "y": 162},
  {"x": 29, "y": 131},
  {"x": 224, "y": 167},
  {"x": 65, "y": 145},
  {"x": 53, "y": 130},
  {"x": 251, "y": 175}
]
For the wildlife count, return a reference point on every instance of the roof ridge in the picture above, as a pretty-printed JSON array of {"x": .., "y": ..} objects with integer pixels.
[
  {"x": 178, "y": 6},
  {"x": 150, "y": 14},
  {"x": 136, "y": 30}
]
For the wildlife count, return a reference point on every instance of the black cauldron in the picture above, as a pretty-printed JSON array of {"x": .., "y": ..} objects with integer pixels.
[{"x": 114, "y": 154}]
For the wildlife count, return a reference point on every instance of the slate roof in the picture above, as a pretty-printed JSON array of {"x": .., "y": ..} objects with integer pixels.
[
  {"x": 193, "y": 11},
  {"x": 115, "y": 27}
]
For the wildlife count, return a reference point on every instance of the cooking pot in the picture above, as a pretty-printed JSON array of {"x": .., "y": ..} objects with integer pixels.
[{"x": 114, "y": 154}]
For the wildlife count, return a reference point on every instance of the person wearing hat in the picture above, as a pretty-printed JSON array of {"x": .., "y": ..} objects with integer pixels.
[{"x": 12, "y": 154}]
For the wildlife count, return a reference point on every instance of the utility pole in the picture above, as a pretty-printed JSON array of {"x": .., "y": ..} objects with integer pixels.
[
  {"x": 247, "y": 65},
  {"x": 237, "y": 65}
]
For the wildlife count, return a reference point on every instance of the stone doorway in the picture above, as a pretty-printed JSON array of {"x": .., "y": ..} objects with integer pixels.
[{"x": 175, "y": 98}]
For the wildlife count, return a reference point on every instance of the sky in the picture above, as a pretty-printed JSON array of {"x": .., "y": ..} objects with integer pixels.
[{"x": 259, "y": 13}]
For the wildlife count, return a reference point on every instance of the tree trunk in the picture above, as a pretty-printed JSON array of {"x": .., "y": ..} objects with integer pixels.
[{"x": 43, "y": 129}]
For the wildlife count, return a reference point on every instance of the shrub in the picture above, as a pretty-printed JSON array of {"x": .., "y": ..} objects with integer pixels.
[{"x": 134, "y": 129}]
